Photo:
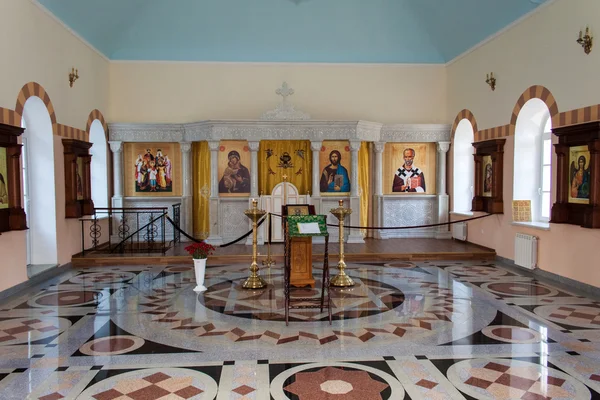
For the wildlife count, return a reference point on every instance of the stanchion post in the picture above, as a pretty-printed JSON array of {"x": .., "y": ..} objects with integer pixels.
[
  {"x": 341, "y": 279},
  {"x": 254, "y": 281},
  {"x": 269, "y": 262}
]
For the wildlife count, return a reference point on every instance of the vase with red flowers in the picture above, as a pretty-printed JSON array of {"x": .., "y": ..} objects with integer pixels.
[{"x": 200, "y": 252}]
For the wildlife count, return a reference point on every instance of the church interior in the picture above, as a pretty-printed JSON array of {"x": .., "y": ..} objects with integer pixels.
[{"x": 299, "y": 199}]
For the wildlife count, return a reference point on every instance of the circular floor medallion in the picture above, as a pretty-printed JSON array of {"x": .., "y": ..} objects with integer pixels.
[
  {"x": 112, "y": 345},
  {"x": 573, "y": 315},
  {"x": 268, "y": 303},
  {"x": 70, "y": 298},
  {"x": 103, "y": 277},
  {"x": 525, "y": 289},
  {"x": 179, "y": 269},
  {"x": 154, "y": 383},
  {"x": 401, "y": 265},
  {"x": 487, "y": 378},
  {"x": 476, "y": 271},
  {"x": 347, "y": 381},
  {"x": 512, "y": 334},
  {"x": 27, "y": 330}
]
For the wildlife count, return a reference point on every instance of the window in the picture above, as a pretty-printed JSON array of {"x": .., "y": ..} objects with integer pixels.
[
  {"x": 546, "y": 176},
  {"x": 464, "y": 167},
  {"x": 99, "y": 170},
  {"x": 532, "y": 159}
]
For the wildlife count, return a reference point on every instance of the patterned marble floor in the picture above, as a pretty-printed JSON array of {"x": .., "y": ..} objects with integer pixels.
[{"x": 427, "y": 330}]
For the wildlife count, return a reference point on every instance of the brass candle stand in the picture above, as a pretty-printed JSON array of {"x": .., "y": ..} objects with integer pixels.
[
  {"x": 254, "y": 281},
  {"x": 268, "y": 262},
  {"x": 341, "y": 279}
]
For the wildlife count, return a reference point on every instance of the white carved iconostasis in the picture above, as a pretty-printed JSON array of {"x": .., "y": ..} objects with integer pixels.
[{"x": 320, "y": 161}]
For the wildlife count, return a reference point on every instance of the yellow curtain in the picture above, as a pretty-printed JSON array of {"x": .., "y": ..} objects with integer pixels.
[
  {"x": 364, "y": 183},
  {"x": 284, "y": 157},
  {"x": 201, "y": 182}
]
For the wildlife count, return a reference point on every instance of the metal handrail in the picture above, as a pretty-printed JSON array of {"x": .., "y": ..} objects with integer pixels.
[{"x": 120, "y": 244}]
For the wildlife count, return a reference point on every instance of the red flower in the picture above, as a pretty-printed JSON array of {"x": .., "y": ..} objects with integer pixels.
[
  {"x": 347, "y": 148},
  {"x": 222, "y": 148},
  {"x": 200, "y": 250},
  {"x": 246, "y": 148},
  {"x": 323, "y": 148}
]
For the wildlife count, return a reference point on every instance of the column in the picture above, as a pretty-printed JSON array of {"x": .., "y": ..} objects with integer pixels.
[
  {"x": 355, "y": 236},
  {"x": 214, "y": 236},
  {"x": 378, "y": 189},
  {"x": 316, "y": 173},
  {"x": 253, "y": 168},
  {"x": 186, "y": 201},
  {"x": 443, "y": 231},
  {"x": 117, "y": 148},
  {"x": 262, "y": 230},
  {"x": 379, "y": 147}
]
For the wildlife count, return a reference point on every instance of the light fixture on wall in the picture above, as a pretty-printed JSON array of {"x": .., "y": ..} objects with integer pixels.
[
  {"x": 490, "y": 80},
  {"x": 585, "y": 40},
  {"x": 73, "y": 76}
]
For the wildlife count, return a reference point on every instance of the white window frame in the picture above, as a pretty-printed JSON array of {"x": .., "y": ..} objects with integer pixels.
[{"x": 546, "y": 135}]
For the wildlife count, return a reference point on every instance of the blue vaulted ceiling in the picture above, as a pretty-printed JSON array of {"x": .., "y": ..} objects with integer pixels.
[{"x": 329, "y": 31}]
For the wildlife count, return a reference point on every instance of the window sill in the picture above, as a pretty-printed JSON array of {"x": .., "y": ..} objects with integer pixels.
[
  {"x": 462, "y": 213},
  {"x": 544, "y": 226}
]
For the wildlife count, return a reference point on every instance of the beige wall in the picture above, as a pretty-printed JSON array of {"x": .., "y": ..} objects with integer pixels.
[
  {"x": 187, "y": 92},
  {"x": 539, "y": 51},
  {"x": 35, "y": 48}
]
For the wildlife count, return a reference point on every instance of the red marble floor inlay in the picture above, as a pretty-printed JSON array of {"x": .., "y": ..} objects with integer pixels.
[
  {"x": 244, "y": 390},
  {"x": 111, "y": 345},
  {"x": 52, "y": 396},
  {"x": 426, "y": 384},
  {"x": 515, "y": 334},
  {"x": 519, "y": 289},
  {"x": 308, "y": 385},
  {"x": 66, "y": 298}
]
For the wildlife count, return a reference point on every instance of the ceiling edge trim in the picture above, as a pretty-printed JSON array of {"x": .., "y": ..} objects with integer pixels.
[
  {"x": 275, "y": 63},
  {"x": 516, "y": 22},
  {"x": 71, "y": 31}
]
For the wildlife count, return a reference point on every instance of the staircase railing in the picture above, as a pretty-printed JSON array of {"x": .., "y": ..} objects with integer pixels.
[{"x": 141, "y": 229}]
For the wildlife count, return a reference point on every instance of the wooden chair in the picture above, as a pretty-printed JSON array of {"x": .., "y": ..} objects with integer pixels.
[{"x": 291, "y": 229}]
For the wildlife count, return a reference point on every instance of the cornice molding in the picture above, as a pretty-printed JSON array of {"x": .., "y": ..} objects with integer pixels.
[{"x": 256, "y": 130}]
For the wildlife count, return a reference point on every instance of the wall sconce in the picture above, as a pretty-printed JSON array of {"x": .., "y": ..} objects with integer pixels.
[
  {"x": 73, "y": 76},
  {"x": 585, "y": 40},
  {"x": 490, "y": 80}
]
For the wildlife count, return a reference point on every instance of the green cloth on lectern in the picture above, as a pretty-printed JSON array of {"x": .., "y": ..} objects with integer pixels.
[{"x": 293, "y": 220}]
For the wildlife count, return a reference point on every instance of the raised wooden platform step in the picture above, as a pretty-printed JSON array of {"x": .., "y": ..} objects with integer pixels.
[{"x": 371, "y": 250}]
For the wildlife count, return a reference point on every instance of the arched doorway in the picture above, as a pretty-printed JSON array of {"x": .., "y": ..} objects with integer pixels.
[{"x": 39, "y": 186}]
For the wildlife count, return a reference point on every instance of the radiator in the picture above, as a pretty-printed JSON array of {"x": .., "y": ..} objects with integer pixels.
[
  {"x": 526, "y": 250},
  {"x": 459, "y": 231}
]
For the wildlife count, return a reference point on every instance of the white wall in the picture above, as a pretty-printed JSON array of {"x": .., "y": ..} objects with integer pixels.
[
  {"x": 539, "y": 51},
  {"x": 39, "y": 49},
  {"x": 188, "y": 92}
]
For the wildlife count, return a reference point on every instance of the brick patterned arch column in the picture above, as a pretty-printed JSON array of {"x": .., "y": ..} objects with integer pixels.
[
  {"x": 96, "y": 115},
  {"x": 35, "y": 89},
  {"x": 464, "y": 114},
  {"x": 533, "y": 92}
]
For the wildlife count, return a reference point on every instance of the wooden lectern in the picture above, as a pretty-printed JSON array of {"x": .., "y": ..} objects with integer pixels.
[{"x": 300, "y": 249}]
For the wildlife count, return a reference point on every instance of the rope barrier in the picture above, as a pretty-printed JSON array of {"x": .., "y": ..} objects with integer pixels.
[
  {"x": 332, "y": 225},
  {"x": 402, "y": 227},
  {"x": 223, "y": 245}
]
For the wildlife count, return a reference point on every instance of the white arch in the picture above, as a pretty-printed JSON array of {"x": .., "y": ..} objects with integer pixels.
[
  {"x": 464, "y": 166},
  {"x": 39, "y": 184},
  {"x": 99, "y": 167},
  {"x": 527, "y": 172}
]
